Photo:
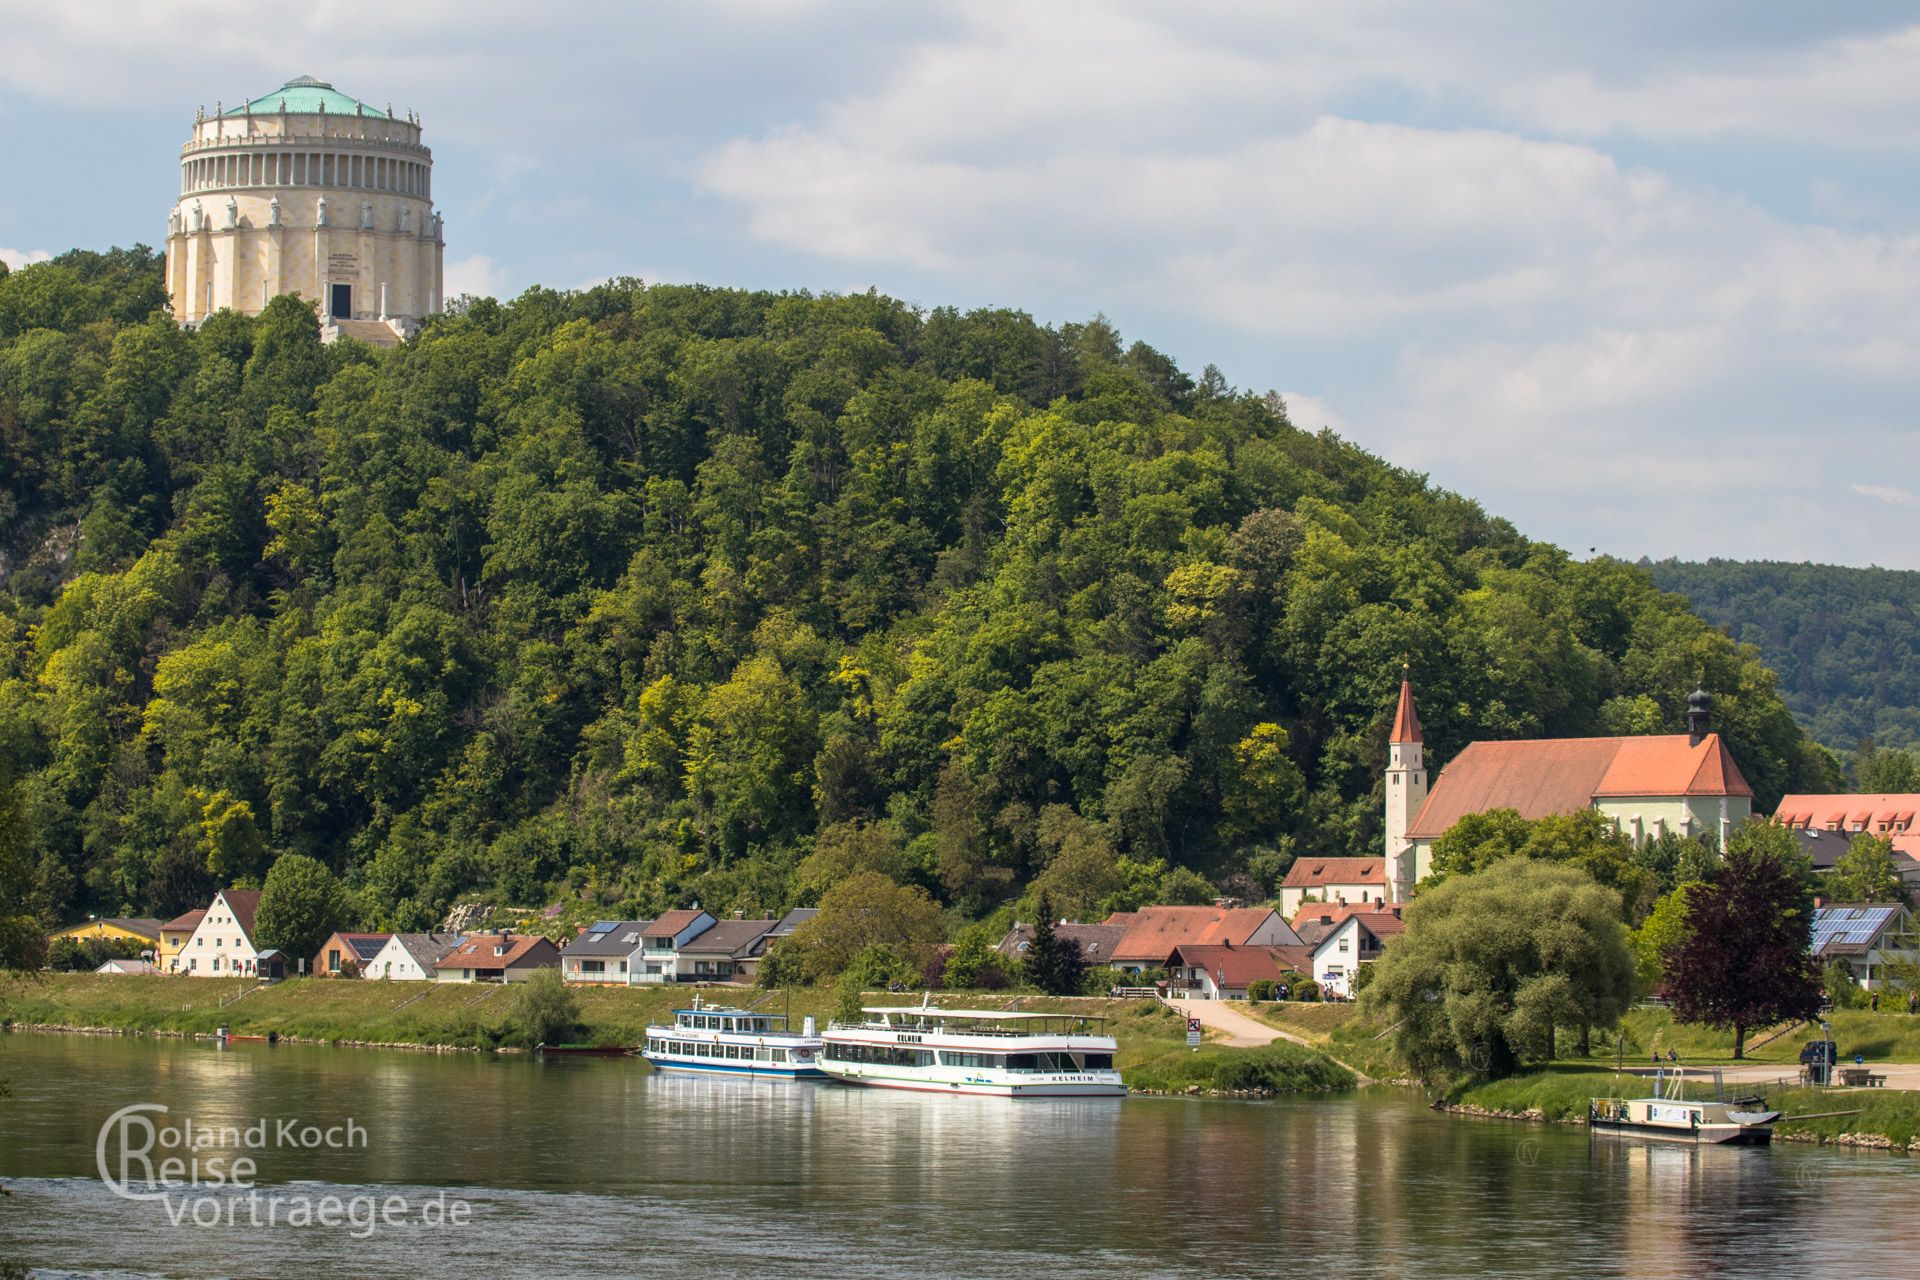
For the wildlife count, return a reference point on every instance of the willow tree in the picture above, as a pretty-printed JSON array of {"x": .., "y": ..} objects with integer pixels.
[{"x": 1493, "y": 961}]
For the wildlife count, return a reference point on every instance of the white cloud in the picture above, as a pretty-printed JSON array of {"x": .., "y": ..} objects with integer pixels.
[
  {"x": 478, "y": 275},
  {"x": 1887, "y": 493},
  {"x": 17, "y": 258}
]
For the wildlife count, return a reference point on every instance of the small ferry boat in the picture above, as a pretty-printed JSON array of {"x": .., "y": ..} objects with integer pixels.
[
  {"x": 999, "y": 1054},
  {"x": 1669, "y": 1115},
  {"x": 739, "y": 1042}
]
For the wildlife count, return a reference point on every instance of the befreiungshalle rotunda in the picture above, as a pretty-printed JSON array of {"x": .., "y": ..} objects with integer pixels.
[{"x": 306, "y": 190}]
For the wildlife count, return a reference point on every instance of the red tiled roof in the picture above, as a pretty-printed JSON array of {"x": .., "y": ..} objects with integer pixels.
[
  {"x": 671, "y": 923},
  {"x": 1381, "y": 924},
  {"x": 188, "y": 921},
  {"x": 1156, "y": 931},
  {"x": 1406, "y": 721},
  {"x": 244, "y": 903},
  {"x": 1311, "y": 873},
  {"x": 1237, "y": 966},
  {"x": 1894, "y": 807},
  {"x": 1546, "y": 776},
  {"x": 1332, "y": 914},
  {"x": 476, "y": 952}
]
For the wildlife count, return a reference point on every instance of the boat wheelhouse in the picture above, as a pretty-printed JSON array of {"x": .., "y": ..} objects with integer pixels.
[
  {"x": 1669, "y": 1115},
  {"x": 998, "y": 1054},
  {"x": 737, "y": 1042}
]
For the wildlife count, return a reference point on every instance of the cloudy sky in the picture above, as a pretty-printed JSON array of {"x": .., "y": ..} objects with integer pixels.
[{"x": 1641, "y": 277}]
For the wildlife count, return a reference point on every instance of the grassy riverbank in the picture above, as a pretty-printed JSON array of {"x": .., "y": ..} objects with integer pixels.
[
  {"x": 1151, "y": 1038},
  {"x": 1884, "y": 1117}
]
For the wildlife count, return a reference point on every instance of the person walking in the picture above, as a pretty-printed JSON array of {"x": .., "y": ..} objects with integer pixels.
[{"x": 1913, "y": 1003}]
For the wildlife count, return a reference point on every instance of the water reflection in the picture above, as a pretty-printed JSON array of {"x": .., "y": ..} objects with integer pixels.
[{"x": 593, "y": 1164}]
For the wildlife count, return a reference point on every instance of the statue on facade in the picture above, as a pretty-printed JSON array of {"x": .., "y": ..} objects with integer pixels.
[
  {"x": 233, "y": 213},
  {"x": 273, "y": 212},
  {"x": 199, "y": 219},
  {"x": 366, "y": 215},
  {"x": 405, "y": 215},
  {"x": 320, "y": 216},
  {"x": 173, "y": 221}
]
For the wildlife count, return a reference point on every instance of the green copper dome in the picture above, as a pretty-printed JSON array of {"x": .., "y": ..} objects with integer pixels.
[{"x": 303, "y": 95}]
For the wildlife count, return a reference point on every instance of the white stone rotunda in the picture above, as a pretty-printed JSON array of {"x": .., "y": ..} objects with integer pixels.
[{"x": 307, "y": 191}]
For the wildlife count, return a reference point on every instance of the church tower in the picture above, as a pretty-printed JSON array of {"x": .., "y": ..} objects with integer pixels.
[{"x": 1406, "y": 793}]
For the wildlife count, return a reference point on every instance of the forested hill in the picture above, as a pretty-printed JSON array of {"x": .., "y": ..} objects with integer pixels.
[
  {"x": 1845, "y": 642},
  {"x": 641, "y": 595}
]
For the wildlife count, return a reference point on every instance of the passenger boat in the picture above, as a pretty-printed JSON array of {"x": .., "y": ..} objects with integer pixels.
[
  {"x": 738, "y": 1042},
  {"x": 1669, "y": 1115},
  {"x": 999, "y": 1054}
]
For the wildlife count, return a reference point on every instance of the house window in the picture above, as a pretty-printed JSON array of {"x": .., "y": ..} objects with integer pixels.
[
  {"x": 1344, "y": 944},
  {"x": 333, "y": 960}
]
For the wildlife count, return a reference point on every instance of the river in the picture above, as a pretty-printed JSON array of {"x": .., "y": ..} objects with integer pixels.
[{"x": 577, "y": 1166}]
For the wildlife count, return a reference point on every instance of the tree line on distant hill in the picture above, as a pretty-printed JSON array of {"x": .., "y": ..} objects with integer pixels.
[
  {"x": 1845, "y": 642},
  {"x": 640, "y": 595}
]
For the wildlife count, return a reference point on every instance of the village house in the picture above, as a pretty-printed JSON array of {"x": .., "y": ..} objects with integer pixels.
[
  {"x": 1825, "y": 826},
  {"x": 410, "y": 957},
  {"x": 724, "y": 952},
  {"x": 660, "y": 943},
  {"x": 496, "y": 957},
  {"x": 137, "y": 931},
  {"x": 1316, "y": 920},
  {"x": 1333, "y": 880},
  {"x": 128, "y": 967},
  {"x": 605, "y": 953},
  {"x": 1866, "y": 937},
  {"x": 1152, "y": 933},
  {"x": 1217, "y": 971},
  {"x": 221, "y": 945},
  {"x": 1356, "y": 940},
  {"x": 173, "y": 940},
  {"x": 347, "y": 955},
  {"x": 1097, "y": 942}
]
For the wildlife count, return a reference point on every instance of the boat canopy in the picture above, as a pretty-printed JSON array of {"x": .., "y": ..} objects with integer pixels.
[{"x": 981, "y": 1015}]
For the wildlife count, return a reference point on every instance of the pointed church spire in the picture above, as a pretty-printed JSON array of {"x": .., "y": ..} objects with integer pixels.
[{"x": 1406, "y": 721}]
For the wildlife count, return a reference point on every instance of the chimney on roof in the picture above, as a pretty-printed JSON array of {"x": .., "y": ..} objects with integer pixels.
[{"x": 1699, "y": 713}]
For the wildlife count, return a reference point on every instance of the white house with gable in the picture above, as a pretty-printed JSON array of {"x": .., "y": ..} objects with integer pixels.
[{"x": 222, "y": 945}]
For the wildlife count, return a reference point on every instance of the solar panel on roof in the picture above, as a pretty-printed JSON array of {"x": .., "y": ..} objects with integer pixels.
[{"x": 603, "y": 927}]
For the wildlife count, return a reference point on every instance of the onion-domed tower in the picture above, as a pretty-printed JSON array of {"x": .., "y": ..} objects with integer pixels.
[{"x": 306, "y": 190}]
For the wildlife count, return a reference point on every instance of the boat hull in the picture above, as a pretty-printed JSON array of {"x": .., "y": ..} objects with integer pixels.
[
  {"x": 988, "y": 1088},
  {"x": 738, "y": 1070},
  {"x": 1710, "y": 1135}
]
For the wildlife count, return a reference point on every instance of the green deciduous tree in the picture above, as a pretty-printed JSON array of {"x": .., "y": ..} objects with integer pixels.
[
  {"x": 1493, "y": 961},
  {"x": 301, "y": 904},
  {"x": 544, "y": 1010},
  {"x": 864, "y": 910},
  {"x": 1866, "y": 872}
]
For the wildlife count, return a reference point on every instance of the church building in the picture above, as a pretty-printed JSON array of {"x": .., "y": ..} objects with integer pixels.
[
  {"x": 1685, "y": 783},
  {"x": 308, "y": 191}
]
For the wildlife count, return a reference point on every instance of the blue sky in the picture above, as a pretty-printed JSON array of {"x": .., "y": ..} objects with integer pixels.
[{"x": 1640, "y": 277}]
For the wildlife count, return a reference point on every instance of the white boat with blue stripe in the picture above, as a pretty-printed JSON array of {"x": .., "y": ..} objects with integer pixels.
[{"x": 715, "y": 1040}]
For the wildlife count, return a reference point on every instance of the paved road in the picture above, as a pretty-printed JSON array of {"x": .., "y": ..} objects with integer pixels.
[
  {"x": 1236, "y": 1029},
  {"x": 1900, "y": 1075}
]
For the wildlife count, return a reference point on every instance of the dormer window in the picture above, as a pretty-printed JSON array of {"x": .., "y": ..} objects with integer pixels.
[{"x": 499, "y": 951}]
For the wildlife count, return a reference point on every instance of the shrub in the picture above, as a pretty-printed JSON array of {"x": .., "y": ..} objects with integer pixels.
[
  {"x": 544, "y": 1011},
  {"x": 1307, "y": 991},
  {"x": 1262, "y": 989}
]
